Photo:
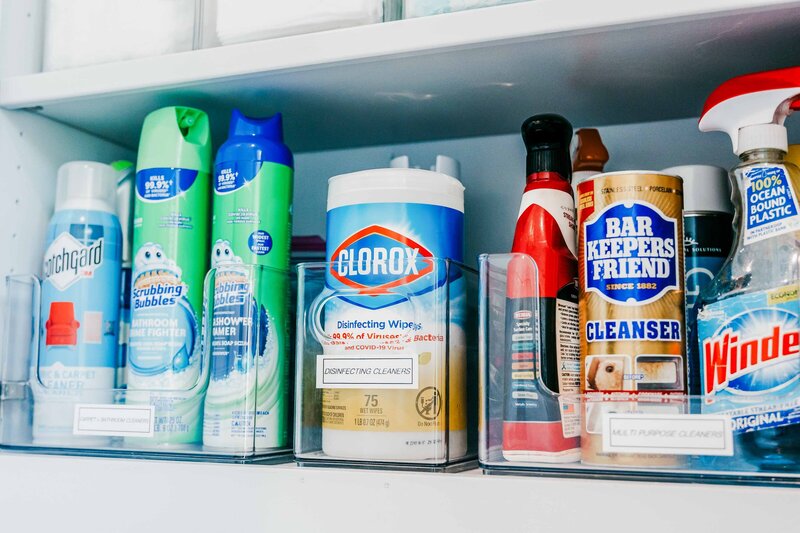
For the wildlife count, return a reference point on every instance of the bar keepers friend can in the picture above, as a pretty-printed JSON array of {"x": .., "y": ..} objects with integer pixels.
[
  {"x": 631, "y": 304},
  {"x": 387, "y": 308}
]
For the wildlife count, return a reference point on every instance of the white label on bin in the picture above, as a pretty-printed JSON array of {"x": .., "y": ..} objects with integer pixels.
[
  {"x": 667, "y": 434},
  {"x": 370, "y": 371},
  {"x": 114, "y": 420}
]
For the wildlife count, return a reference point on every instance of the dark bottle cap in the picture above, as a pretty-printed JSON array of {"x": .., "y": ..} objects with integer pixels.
[{"x": 547, "y": 138}]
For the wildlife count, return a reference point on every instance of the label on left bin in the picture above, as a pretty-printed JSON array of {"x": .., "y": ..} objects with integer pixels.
[
  {"x": 379, "y": 371},
  {"x": 114, "y": 420}
]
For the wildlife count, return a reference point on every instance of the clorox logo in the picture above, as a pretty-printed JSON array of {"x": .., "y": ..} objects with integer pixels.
[
  {"x": 631, "y": 253},
  {"x": 377, "y": 259}
]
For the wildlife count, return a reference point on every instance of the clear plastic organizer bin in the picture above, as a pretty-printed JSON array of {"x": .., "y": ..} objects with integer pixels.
[
  {"x": 87, "y": 32},
  {"x": 236, "y": 21},
  {"x": 423, "y": 8},
  {"x": 222, "y": 395},
  {"x": 387, "y": 374},
  {"x": 526, "y": 428}
]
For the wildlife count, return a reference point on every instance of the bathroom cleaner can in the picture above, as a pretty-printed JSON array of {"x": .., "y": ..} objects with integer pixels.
[
  {"x": 170, "y": 242},
  {"x": 79, "y": 304},
  {"x": 631, "y": 302},
  {"x": 246, "y": 403},
  {"x": 386, "y": 314}
]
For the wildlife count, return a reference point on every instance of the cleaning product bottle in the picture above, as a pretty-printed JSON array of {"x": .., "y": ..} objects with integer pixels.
[
  {"x": 125, "y": 194},
  {"x": 589, "y": 159},
  {"x": 247, "y": 399},
  {"x": 80, "y": 303},
  {"x": 532, "y": 427},
  {"x": 170, "y": 243},
  {"x": 747, "y": 341},
  {"x": 707, "y": 237}
]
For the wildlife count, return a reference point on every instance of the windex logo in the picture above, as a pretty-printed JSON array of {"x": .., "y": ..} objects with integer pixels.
[
  {"x": 376, "y": 259},
  {"x": 753, "y": 353},
  {"x": 67, "y": 260}
]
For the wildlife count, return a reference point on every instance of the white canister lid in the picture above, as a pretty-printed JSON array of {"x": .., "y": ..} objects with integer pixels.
[
  {"x": 395, "y": 185},
  {"x": 87, "y": 185},
  {"x": 705, "y": 187}
]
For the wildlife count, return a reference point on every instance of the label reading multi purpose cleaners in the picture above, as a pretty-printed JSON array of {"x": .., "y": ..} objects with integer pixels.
[
  {"x": 770, "y": 204},
  {"x": 750, "y": 345}
]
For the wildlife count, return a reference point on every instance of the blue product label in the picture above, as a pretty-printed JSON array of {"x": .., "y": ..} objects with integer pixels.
[
  {"x": 234, "y": 175},
  {"x": 631, "y": 254},
  {"x": 235, "y": 336},
  {"x": 163, "y": 328},
  {"x": 260, "y": 242},
  {"x": 160, "y": 184},
  {"x": 770, "y": 204},
  {"x": 750, "y": 358},
  {"x": 80, "y": 291},
  {"x": 386, "y": 251}
]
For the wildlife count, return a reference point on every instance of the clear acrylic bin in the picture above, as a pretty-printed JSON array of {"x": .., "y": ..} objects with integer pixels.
[
  {"x": 387, "y": 375},
  {"x": 527, "y": 429},
  {"x": 229, "y": 402},
  {"x": 237, "y": 21},
  {"x": 88, "y": 32},
  {"x": 423, "y": 8}
]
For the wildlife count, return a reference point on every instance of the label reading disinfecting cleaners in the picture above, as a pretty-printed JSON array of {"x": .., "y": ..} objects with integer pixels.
[{"x": 770, "y": 204}]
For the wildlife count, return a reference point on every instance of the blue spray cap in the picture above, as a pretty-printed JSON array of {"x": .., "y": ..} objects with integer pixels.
[
  {"x": 269, "y": 128},
  {"x": 259, "y": 139}
]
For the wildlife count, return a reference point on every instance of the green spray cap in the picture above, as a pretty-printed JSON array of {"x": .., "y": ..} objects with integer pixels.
[{"x": 175, "y": 137}]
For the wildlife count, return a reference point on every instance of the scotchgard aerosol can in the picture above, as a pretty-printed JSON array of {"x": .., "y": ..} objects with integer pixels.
[
  {"x": 247, "y": 401},
  {"x": 170, "y": 242}
]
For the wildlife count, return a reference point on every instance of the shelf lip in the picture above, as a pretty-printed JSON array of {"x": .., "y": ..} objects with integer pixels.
[
  {"x": 532, "y": 20},
  {"x": 317, "y": 499}
]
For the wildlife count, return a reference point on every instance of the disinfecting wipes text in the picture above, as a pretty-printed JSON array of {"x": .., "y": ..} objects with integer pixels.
[
  {"x": 667, "y": 434},
  {"x": 114, "y": 420},
  {"x": 375, "y": 372}
]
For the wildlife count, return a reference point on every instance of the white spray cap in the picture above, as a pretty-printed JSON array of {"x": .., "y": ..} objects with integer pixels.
[
  {"x": 88, "y": 186},
  {"x": 444, "y": 165},
  {"x": 705, "y": 187},
  {"x": 751, "y": 109}
]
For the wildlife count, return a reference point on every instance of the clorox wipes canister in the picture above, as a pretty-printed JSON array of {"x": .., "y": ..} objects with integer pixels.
[
  {"x": 384, "y": 382},
  {"x": 748, "y": 318}
]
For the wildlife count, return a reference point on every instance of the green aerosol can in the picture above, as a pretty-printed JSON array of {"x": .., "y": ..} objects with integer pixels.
[
  {"x": 247, "y": 402},
  {"x": 170, "y": 249}
]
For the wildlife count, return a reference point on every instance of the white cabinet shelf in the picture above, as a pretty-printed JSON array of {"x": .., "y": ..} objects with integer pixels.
[
  {"x": 473, "y": 73},
  {"x": 40, "y": 493}
]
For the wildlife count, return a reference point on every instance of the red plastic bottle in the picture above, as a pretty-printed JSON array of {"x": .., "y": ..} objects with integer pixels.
[{"x": 532, "y": 426}]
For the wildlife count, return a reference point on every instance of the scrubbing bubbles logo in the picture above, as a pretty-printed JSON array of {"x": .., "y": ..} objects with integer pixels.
[{"x": 631, "y": 254}]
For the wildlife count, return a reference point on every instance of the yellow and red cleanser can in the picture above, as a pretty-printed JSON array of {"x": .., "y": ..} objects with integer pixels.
[{"x": 631, "y": 302}]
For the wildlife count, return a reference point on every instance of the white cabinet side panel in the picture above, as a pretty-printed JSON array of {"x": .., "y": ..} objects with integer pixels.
[{"x": 31, "y": 150}]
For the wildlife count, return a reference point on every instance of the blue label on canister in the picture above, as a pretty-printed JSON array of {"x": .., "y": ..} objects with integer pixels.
[
  {"x": 159, "y": 184},
  {"x": 631, "y": 254}
]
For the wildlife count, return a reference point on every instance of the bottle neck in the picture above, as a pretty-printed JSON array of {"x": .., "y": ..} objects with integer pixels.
[{"x": 759, "y": 155}]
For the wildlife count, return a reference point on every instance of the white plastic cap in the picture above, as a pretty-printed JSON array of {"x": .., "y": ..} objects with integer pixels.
[
  {"x": 444, "y": 165},
  {"x": 395, "y": 185},
  {"x": 762, "y": 136},
  {"x": 705, "y": 188},
  {"x": 88, "y": 186}
]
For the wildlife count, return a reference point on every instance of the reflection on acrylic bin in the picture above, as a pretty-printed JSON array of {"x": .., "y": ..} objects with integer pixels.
[
  {"x": 233, "y": 404},
  {"x": 386, "y": 376},
  {"x": 237, "y": 21},
  {"x": 88, "y": 32},
  {"x": 423, "y": 8},
  {"x": 635, "y": 434}
]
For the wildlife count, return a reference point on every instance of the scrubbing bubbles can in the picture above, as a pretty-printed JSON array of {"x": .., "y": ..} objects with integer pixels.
[
  {"x": 247, "y": 400},
  {"x": 170, "y": 242}
]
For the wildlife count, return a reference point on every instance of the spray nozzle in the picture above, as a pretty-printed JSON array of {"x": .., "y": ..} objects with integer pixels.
[{"x": 752, "y": 108}]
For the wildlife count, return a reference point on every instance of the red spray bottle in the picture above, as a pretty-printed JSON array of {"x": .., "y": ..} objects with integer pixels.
[{"x": 532, "y": 425}]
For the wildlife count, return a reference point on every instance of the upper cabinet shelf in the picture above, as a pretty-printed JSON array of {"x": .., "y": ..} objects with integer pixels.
[{"x": 464, "y": 74}]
